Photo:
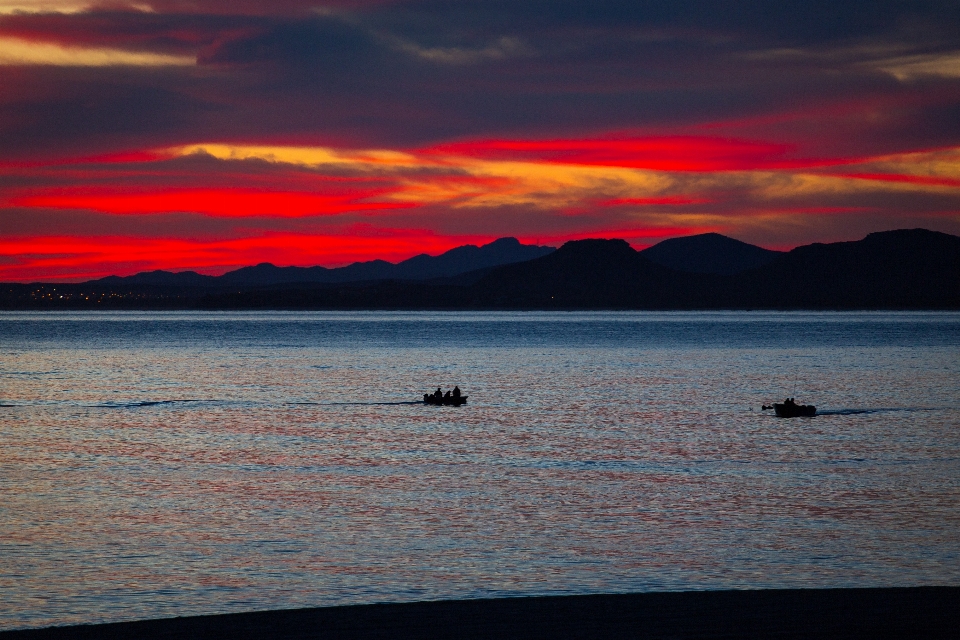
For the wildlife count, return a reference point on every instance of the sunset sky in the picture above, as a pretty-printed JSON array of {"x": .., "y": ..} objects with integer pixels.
[{"x": 177, "y": 134}]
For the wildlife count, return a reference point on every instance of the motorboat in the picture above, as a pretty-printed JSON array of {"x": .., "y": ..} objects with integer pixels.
[
  {"x": 446, "y": 401},
  {"x": 790, "y": 409}
]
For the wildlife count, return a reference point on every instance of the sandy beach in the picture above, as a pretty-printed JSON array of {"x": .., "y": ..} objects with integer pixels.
[{"x": 920, "y": 612}]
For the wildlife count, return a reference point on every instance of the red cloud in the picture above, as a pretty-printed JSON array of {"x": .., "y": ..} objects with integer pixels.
[
  {"x": 214, "y": 202},
  {"x": 665, "y": 153},
  {"x": 669, "y": 200}
]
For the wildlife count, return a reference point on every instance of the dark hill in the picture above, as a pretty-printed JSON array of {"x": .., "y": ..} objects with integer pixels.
[
  {"x": 269, "y": 274},
  {"x": 907, "y": 268},
  {"x": 709, "y": 253},
  {"x": 468, "y": 258},
  {"x": 586, "y": 274},
  {"x": 162, "y": 278}
]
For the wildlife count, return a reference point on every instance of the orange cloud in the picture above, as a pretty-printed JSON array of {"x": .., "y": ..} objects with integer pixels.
[
  {"x": 913, "y": 179},
  {"x": 22, "y": 52}
]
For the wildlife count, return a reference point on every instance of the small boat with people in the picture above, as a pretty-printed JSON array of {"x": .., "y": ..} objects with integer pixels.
[
  {"x": 449, "y": 399},
  {"x": 790, "y": 409}
]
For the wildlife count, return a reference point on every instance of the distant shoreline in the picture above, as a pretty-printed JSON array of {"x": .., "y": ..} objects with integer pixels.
[
  {"x": 906, "y": 269},
  {"x": 925, "y": 612},
  {"x": 451, "y": 309}
]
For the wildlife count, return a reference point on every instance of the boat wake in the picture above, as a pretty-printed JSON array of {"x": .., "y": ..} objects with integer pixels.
[
  {"x": 853, "y": 412},
  {"x": 364, "y": 404},
  {"x": 141, "y": 403}
]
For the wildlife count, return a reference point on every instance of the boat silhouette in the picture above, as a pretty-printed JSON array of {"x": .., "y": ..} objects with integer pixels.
[
  {"x": 447, "y": 401},
  {"x": 790, "y": 409}
]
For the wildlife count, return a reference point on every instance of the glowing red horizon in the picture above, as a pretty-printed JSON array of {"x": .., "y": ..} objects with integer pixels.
[{"x": 357, "y": 205}]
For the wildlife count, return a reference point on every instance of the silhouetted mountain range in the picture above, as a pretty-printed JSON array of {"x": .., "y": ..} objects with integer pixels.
[
  {"x": 421, "y": 267},
  {"x": 905, "y": 269},
  {"x": 894, "y": 269}
]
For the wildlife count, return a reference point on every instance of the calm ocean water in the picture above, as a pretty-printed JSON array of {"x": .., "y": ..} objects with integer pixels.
[{"x": 163, "y": 464}]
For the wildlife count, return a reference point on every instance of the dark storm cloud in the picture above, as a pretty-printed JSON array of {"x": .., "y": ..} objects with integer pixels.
[
  {"x": 414, "y": 73},
  {"x": 75, "y": 112},
  {"x": 329, "y": 43},
  {"x": 791, "y": 22}
]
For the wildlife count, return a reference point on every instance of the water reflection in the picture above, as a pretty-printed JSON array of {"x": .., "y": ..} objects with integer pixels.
[{"x": 171, "y": 464}]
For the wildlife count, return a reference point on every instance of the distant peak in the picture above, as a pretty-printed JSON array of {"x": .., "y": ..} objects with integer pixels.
[
  {"x": 503, "y": 242},
  {"x": 596, "y": 242},
  {"x": 596, "y": 245},
  {"x": 711, "y": 236},
  {"x": 708, "y": 253},
  {"x": 907, "y": 232}
]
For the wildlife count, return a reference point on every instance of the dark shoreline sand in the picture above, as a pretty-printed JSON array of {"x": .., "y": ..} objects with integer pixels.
[{"x": 922, "y": 612}]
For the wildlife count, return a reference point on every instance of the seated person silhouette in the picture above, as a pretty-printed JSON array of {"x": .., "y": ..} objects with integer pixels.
[{"x": 456, "y": 392}]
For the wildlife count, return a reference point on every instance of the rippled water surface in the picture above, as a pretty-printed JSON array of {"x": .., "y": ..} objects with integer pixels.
[{"x": 161, "y": 464}]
